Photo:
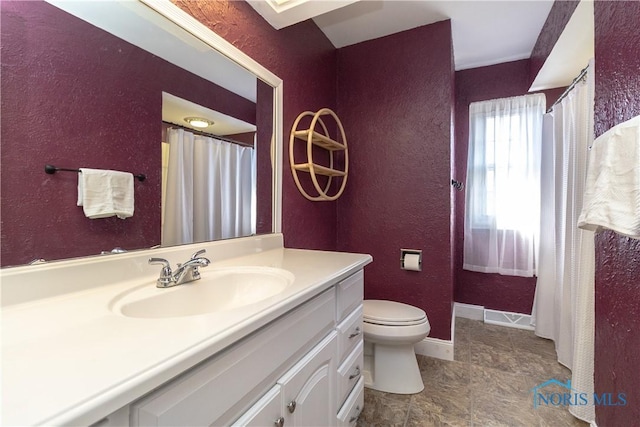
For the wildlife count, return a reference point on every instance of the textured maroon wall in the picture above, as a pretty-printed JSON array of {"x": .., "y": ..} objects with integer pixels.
[
  {"x": 264, "y": 119},
  {"x": 495, "y": 291},
  {"x": 55, "y": 110},
  {"x": 617, "y": 98},
  {"x": 305, "y": 59},
  {"x": 395, "y": 99},
  {"x": 557, "y": 19}
]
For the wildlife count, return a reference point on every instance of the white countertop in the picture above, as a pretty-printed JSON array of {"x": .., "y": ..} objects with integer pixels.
[{"x": 69, "y": 359}]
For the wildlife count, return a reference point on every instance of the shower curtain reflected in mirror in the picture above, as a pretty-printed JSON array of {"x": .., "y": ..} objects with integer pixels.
[{"x": 208, "y": 189}]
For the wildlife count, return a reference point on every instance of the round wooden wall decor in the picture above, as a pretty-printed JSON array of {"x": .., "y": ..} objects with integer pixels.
[{"x": 317, "y": 135}]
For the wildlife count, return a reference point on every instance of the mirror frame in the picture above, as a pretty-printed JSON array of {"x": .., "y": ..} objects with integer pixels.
[{"x": 182, "y": 19}]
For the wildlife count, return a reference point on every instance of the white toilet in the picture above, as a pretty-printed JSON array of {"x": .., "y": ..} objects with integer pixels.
[{"x": 391, "y": 329}]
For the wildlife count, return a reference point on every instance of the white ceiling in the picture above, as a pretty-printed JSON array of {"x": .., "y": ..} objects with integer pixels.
[
  {"x": 572, "y": 51},
  {"x": 175, "y": 109},
  {"x": 282, "y": 13},
  {"x": 484, "y": 32}
]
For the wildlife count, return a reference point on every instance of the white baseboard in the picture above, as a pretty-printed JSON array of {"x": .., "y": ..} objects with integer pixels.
[
  {"x": 468, "y": 311},
  {"x": 443, "y": 349},
  {"x": 434, "y": 347},
  {"x": 508, "y": 319},
  {"x": 437, "y": 348},
  {"x": 494, "y": 317}
]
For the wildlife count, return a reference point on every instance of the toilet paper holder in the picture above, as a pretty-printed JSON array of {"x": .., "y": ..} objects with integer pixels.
[{"x": 413, "y": 252}]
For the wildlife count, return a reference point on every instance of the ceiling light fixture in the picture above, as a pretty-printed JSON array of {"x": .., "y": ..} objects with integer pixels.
[{"x": 198, "y": 122}]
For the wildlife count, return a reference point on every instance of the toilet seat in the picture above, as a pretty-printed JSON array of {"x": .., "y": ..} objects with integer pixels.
[{"x": 391, "y": 313}]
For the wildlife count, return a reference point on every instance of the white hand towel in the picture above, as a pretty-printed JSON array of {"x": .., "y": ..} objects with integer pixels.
[
  {"x": 612, "y": 192},
  {"x": 105, "y": 193}
]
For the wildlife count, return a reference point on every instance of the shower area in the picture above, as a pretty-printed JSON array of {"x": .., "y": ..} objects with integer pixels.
[{"x": 208, "y": 174}]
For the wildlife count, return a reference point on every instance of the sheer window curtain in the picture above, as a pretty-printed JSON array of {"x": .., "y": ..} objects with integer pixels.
[
  {"x": 209, "y": 193},
  {"x": 503, "y": 185}
]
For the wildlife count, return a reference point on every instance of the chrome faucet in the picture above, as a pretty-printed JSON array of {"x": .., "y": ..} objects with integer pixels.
[{"x": 187, "y": 272}]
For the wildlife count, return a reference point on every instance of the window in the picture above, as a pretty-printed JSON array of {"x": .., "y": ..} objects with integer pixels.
[{"x": 503, "y": 185}]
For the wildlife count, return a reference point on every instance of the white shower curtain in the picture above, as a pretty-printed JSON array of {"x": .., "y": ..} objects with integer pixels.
[
  {"x": 564, "y": 300},
  {"x": 209, "y": 191}
]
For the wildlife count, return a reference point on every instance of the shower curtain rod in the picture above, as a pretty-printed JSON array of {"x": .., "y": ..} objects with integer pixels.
[
  {"x": 199, "y": 132},
  {"x": 575, "y": 81}
]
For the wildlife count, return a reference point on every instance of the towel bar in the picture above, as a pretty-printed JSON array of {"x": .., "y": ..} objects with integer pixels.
[{"x": 50, "y": 169}]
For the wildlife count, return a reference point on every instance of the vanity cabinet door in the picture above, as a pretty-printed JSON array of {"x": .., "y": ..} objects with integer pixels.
[
  {"x": 266, "y": 412},
  {"x": 309, "y": 387}
]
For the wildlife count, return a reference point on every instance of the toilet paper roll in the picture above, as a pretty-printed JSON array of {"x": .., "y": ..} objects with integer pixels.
[{"x": 412, "y": 262}]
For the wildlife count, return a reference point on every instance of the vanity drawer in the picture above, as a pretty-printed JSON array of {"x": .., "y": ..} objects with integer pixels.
[
  {"x": 353, "y": 406},
  {"x": 350, "y": 372},
  {"x": 350, "y": 294},
  {"x": 350, "y": 333},
  {"x": 229, "y": 382}
]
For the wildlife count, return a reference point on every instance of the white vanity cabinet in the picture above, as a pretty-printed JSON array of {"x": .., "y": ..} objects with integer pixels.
[
  {"x": 350, "y": 396},
  {"x": 302, "y": 369},
  {"x": 218, "y": 390}
]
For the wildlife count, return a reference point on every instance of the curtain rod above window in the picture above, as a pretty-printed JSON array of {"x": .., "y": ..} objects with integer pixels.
[
  {"x": 575, "y": 81},
  {"x": 199, "y": 132}
]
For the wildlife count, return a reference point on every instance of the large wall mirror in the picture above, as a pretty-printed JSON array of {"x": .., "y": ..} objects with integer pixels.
[{"x": 84, "y": 85}]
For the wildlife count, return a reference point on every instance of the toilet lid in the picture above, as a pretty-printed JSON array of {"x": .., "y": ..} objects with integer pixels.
[{"x": 392, "y": 313}]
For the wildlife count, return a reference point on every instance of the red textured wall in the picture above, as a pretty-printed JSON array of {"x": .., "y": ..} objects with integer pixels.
[
  {"x": 395, "y": 99},
  {"x": 68, "y": 83},
  {"x": 305, "y": 59},
  {"x": 494, "y": 291},
  {"x": 264, "y": 121},
  {"x": 617, "y": 98}
]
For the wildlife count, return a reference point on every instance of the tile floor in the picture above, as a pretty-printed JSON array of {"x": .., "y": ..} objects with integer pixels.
[{"x": 488, "y": 384}]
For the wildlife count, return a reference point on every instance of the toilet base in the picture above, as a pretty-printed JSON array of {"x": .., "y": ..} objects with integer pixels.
[{"x": 394, "y": 369}]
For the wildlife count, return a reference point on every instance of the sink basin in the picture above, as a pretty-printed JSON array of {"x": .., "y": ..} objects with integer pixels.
[{"x": 219, "y": 289}]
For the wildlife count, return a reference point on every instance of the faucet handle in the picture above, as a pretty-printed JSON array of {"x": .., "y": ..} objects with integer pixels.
[
  {"x": 166, "y": 266},
  {"x": 197, "y": 254}
]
